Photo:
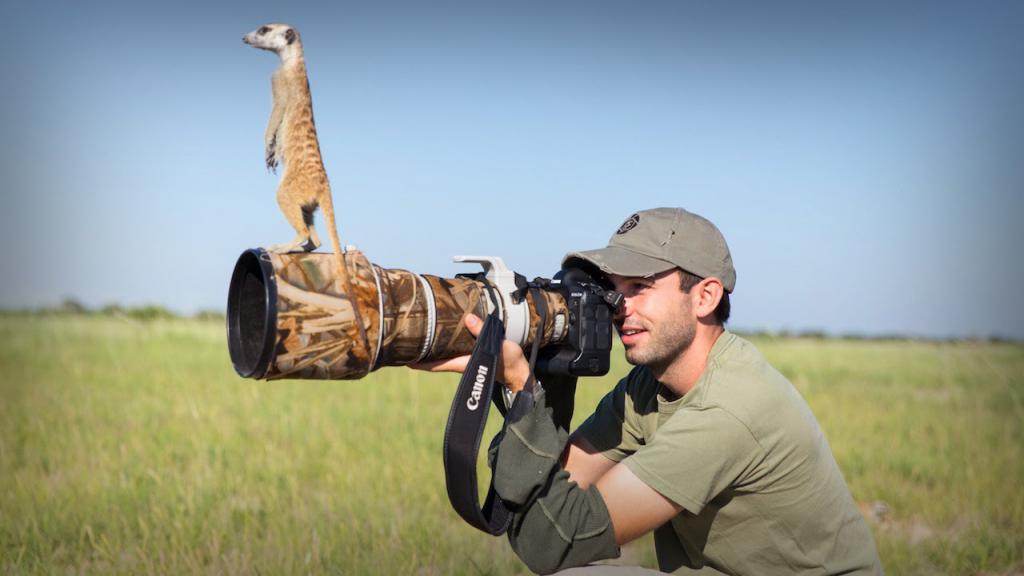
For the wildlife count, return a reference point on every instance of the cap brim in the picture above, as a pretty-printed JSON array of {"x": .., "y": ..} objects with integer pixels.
[{"x": 620, "y": 261}]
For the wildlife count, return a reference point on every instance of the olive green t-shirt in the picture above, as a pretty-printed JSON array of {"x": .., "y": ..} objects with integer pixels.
[{"x": 742, "y": 453}]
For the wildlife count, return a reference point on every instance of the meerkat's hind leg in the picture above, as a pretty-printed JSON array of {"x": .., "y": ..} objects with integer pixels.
[
  {"x": 313, "y": 241},
  {"x": 297, "y": 217}
]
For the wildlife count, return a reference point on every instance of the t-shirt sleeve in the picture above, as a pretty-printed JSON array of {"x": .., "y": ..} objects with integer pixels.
[
  {"x": 610, "y": 429},
  {"x": 695, "y": 456}
]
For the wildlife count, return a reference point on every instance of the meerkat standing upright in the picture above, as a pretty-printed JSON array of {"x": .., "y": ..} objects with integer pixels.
[{"x": 291, "y": 138}]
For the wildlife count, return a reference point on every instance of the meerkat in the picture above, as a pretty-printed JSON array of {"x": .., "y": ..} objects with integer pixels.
[{"x": 291, "y": 139}]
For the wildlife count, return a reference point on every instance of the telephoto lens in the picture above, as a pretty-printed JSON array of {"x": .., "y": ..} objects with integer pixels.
[{"x": 289, "y": 318}]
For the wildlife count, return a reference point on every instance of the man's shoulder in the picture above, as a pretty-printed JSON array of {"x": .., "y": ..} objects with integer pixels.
[
  {"x": 739, "y": 379},
  {"x": 737, "y": 353},
  {"x": 736, "y": 361}
]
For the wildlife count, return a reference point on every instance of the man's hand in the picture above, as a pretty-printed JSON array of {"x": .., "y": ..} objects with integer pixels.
[{"x": 512, "y": 364}]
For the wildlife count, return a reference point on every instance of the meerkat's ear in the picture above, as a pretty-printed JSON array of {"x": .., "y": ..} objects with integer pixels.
[{"x": 289, "y": 35}]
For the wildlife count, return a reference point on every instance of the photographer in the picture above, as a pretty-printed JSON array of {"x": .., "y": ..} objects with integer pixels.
[{"x": 703, "y": 442}]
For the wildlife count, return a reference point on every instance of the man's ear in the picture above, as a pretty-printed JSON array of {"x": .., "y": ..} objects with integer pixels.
[{"x": 707, "y": 294}]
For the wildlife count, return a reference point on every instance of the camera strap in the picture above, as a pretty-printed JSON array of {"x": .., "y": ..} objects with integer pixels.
[
  {"x": 465, "y": 428},
  {"x": 468, "y": 416}
]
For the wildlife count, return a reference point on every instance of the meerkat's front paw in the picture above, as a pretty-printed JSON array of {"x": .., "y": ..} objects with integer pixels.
[{"x": 270, "y": 153}]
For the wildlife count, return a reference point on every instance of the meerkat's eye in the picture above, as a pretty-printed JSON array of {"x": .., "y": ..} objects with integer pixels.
[{"x": 263, "y": 30}]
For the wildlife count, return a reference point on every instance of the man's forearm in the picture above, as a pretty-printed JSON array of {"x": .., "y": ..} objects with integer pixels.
[
  {"x": 584, "y": 463},
  {"x": 556, "y": 523},
  {"x": 566, "y": 526}
]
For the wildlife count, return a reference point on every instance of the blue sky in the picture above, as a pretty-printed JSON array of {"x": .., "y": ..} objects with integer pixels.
[{"x": 862, "y": 159}]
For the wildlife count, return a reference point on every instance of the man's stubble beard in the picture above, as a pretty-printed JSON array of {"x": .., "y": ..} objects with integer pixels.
[{"x": 670, "y": 342}]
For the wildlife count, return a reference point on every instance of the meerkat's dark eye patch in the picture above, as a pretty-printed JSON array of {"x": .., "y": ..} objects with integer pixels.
[
  {"x": 263, "y": 30},
  {"x": 289, "y": 35}
]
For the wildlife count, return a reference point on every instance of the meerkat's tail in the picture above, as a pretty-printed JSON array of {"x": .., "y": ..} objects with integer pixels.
[{"x": 327, "y": 207}]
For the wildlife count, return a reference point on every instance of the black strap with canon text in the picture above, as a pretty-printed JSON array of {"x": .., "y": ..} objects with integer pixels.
[
  {"x": 466, "y": 421},
  {"x": 468, "y": 416}
]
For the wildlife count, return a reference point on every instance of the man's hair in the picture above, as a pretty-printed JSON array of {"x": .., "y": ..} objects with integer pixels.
[{"x": 688, "y": 281}]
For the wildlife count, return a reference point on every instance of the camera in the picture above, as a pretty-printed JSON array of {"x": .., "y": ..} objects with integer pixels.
[{"x": 288, "y": 316}]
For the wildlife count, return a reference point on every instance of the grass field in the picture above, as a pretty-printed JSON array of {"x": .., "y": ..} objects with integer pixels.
[{"x": 131, "y": 447}]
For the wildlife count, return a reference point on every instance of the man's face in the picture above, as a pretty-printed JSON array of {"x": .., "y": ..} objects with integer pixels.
[{"x": 656, "y": 322}]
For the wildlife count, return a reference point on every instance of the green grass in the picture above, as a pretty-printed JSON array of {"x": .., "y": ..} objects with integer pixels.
[{"x": 132, "y": 447}]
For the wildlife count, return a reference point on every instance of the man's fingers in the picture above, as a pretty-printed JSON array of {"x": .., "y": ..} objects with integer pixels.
[
  {"x": 457, "y": 364},
  {"x": 474, "y": 324},
  {"x": 511, "y": 352}
]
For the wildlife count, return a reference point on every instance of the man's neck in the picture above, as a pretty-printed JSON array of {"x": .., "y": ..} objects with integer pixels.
[{"x": 683, "y": 374}]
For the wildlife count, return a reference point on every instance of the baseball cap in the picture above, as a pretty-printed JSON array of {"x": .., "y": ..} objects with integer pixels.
[{"x": 659, "y": 239}]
